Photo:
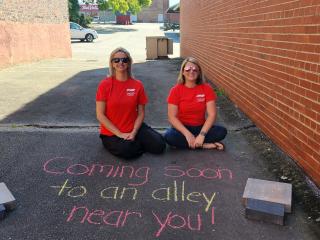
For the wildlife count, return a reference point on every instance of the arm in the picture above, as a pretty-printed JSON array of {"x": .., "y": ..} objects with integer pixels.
[
  {"x": 177, "y": 124},
  {"x": 100, "y": 109},
  {"x": 137, "y": 123},
  {"x": 211, "y": 112}
]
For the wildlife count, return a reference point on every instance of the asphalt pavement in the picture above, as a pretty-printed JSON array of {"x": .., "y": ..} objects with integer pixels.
[{"x": 67, "y": 186}]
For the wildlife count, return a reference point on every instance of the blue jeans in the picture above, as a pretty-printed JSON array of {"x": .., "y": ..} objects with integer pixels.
[{"x": 175, "y": 138}]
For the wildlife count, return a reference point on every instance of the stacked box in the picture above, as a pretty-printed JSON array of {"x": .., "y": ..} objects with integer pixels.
[{"x": 267, "y": 200}]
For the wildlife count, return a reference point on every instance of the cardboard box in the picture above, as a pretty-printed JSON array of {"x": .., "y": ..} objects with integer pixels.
[{"x": 158, "y": 47}]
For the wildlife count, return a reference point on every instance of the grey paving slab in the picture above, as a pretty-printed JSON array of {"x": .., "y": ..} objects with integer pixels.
[
  {"x": 68, "y": 187},
  {"x": 2, "y": 211},
  {"x": 270, "y": 191},
  {"x": 265, "y": 211},
  {"x": 6, "y": 197}
]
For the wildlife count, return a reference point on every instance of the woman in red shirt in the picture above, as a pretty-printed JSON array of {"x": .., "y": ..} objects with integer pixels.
[
  {"x": 188, "y": 102},
  {"x": 120, "y": 104}
]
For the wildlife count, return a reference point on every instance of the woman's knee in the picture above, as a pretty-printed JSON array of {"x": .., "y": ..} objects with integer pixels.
[
  {"x": 169, "y": 137},
  {"x": 175, "y": 138},
  {"x": 223, "y": 132},
  {"x": 130, "y": 149},
  {"x": 216, "y": 134},
  {"x": 124, "y": 149},
  {"x": 155, "y": 144}
]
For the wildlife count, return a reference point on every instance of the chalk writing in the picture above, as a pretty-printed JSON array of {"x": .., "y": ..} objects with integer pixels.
[
  {"x": 176, "y": 193},
  {"x": 179, "y": 190},
  {"x": 212, "y": 216},
  {"x": 176, "y": 221},
  {"x": 78, "y": 191},
  {"x": 207, "y": 173},
  {"x": 62, "y": 165},
  {"x": 112, "y": 192},
  {"x": 113, "y": 218}
]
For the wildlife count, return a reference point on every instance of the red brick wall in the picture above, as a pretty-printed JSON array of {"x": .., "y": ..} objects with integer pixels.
[
  {"x": 172, "y": 17},
  {"x": 266, "y": 55},
  {"x": 33, "y": 30}
]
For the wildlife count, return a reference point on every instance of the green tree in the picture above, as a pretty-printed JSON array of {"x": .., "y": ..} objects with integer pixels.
[
  {"x": 103, "y": 5},
  {"x": 133, "y": 6},
  {"x": 74, "y": 7},
  {"x": 122, "y": 6}
]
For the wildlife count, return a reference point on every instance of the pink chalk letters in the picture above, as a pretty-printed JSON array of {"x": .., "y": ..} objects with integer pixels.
[{"x": 134, "y": 180}]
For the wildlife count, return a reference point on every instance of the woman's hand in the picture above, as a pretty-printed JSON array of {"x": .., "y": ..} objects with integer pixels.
[
  {"x": 198, "y": 143},
  {"x": 132, "y": 135},
  {"x": 124, "y": 136},
  {"x": 128, "y": 136},
  {"x": 190, "y": 139}
]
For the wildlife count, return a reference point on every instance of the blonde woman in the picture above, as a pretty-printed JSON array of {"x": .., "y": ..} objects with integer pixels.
[
  {"x": 120, "y": 109},
  {"x": 189, "y": 101}
]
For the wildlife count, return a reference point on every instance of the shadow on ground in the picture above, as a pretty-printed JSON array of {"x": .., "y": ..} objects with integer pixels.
[
  {"x": 79, "y": 41},
  {"x": 109, "y": 30},
  {"x": 72, "y": 103}
]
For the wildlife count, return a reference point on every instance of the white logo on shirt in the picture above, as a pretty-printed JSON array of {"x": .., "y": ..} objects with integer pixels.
[
  {"x": 200, "y": 97},
  {"x": 131, "y": 92}
]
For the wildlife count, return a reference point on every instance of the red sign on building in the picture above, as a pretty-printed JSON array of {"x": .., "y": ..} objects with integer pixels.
[{"x": 89, "y": 8}]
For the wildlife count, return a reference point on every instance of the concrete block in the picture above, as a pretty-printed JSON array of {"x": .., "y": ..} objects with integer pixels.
[
  {"x": 2, "y": 211},
  {"x": 265, "y": 211},
  {"x": 269, "y": 191},
  {"x": 6, "y": 197}
]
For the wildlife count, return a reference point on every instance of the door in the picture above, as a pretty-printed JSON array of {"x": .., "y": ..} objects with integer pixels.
[{"x": 160, "y": 18}]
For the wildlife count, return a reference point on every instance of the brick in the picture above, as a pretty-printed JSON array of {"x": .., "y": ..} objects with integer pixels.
[
  {"x": 42, "y": 11},
  {"x": 6, "y": 197},
  {"x": 265, "y": 211},
  {"x": 2, "y": 211},
  {"x": 269, "y": 191},
  {"x": 266, "y": 55}
]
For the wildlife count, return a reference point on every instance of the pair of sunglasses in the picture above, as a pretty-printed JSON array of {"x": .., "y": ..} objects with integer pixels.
[
  {"x": 193, "y": 69},
  {"x": 117, "y": 60}
]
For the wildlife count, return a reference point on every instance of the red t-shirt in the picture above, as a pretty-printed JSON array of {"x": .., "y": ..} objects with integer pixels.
[
  {"x": 122, "y": 100},
  {"x": 191, "y": 102}
]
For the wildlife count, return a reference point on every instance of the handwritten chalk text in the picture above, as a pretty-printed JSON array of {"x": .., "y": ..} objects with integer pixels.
[
  {"x": 207, "y": 173},
  {"x": 176, "y": 221},
  {"x": 113, "y": 218},
  {"x": 178, "y": 193},
  {"x": 64, "y": 165},
  {"x": 78, "y": 191},
  {"x": 112, "y": 192}
]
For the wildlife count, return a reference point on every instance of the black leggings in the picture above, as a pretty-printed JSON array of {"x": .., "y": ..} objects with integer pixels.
[{"x": 146, "y": 140}]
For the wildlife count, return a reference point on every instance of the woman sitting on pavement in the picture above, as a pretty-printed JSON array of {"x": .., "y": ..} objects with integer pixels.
[
  {"x": 120, "y": 109},
  {"x": 188, "y": 102}
]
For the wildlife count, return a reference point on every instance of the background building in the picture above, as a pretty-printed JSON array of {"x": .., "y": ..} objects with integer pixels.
[
  {"x": 33, "y": 30},
  {"x": 154, "y": 13},
  {"x": 173, "y": 14},
  {"x": 89, "y": 9},
  {"x": 265, "y": 54}
]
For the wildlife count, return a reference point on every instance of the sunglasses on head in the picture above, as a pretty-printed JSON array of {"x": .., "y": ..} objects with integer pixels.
[
  {"x": 117, "y": 60},
  {"x": 193, "y": 69}
]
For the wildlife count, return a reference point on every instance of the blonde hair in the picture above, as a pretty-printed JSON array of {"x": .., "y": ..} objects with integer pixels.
[
  {"x": 181, "y": 79},
  {"x": 125, "y": 51}
]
